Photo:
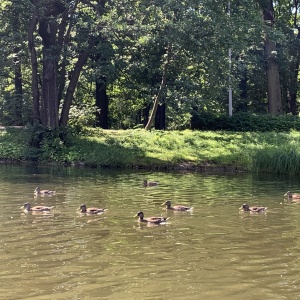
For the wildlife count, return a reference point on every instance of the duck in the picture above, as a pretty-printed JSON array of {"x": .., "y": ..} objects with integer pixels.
[
  {"x": 91, "y": 210},
  {"x": 27, "y": 208},
  {"x": 245, "y": 207},
  {"x": 150, "y": 183},
  {"x": 292, "y": 195},
  {"x": 38, "y": 191},
  {"x": 152, "y": 220},
  {"x": 176, "y": 207}
]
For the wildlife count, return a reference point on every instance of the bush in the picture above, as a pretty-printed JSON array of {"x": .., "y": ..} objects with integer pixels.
[{"x": 245, "y": 122}]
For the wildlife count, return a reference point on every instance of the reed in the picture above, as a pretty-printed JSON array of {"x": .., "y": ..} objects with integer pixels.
[{"x": 280, "y": 160}]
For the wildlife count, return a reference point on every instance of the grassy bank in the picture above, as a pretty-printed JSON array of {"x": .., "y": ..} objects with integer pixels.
[{"x": 202, "y": 150}]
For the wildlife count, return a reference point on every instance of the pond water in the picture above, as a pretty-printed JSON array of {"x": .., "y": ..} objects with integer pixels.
[{"x": 213, "y": 252}]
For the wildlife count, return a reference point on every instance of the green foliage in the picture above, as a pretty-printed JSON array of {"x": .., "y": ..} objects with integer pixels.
[
  {"x": 249, "y": 151},
  {"x": 126, "y": 44},
  {"x": 245, "y": 122},
  {"x": 82, "y": 115},
  {"x": 281, "y": 160}
]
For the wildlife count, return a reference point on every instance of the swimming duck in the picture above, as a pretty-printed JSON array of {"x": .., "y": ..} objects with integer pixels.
[
  {"x": 292, "y": 195},
  {"x": 27, "y": 207},
  {"x": 38, "y": 191},
  {"x": 91, "y": 210},
  {"x": 150, "y": 183},
  {"x": 153, "y": 220},
  {"x": 176, "y": 207},
  {"x": 245, "y": 207}
]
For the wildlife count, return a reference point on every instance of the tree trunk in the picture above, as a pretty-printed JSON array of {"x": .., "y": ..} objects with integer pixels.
[
  {"x": 34, "y": 69},
  {"x": 161, "y": 89},
  {"x": 273, "y": 81},
  {"x": 101, "y": 104},
  {"x": 18, "y": 88},
  {"x": 83, "y": 56},
  {"x": 145, "y": 113},
  {"x": 160, "y": 118},
  {"x": 294, "y": 71},
  {"x": 63, "y": 41},
  {"x": 49, "y": 103}
]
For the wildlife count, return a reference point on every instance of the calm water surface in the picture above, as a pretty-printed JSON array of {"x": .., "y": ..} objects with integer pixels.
[{"x": 214, "y": 252}]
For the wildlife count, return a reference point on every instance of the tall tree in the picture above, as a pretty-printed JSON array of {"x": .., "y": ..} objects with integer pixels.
[{"x": 273, "y": 80}]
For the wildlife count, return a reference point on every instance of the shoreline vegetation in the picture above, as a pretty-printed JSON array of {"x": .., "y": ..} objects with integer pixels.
[{"x": 201, "y": 151}]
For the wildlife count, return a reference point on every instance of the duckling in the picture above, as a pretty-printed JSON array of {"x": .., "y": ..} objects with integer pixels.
[
  {"x": 150, "y": 183},
  {"x": 152, "y": 220},
  {"x": 292, "y": 195},
  {"x": 91, "y": 210},
  {"x": 245, "y": 207},
  {"x": 38, "y": 191},
  {"x": 27, "y": 208},
  {"x": 177, "y": 207}
]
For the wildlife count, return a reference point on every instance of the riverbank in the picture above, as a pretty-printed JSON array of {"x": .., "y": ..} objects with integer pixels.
[{"x": 161, "y": 150}]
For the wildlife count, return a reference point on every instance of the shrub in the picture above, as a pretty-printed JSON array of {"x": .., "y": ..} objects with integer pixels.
[{"x": 245, "y": 122}]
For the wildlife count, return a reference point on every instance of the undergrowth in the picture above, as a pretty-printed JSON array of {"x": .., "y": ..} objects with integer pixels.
[{"x": 251, "y": 151}]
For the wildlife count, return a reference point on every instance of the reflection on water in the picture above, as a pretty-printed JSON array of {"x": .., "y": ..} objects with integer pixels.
[{"x": 212, "y": 252}]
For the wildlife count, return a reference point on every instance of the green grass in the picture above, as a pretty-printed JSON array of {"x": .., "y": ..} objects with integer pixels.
[{"x": 251, "y": 151}]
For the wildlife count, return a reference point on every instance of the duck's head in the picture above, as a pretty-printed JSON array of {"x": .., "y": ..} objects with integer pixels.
[
  {"x": 167, "y": 203},
  {"x": 27, "y": 206},
  {"x": 288, "y": 193},
  {"x": 37, "y": 190},
  {"x": 140, "y": 214},
  {"x": 245, "y": 207},
  {"x": 82, "y": 207}
]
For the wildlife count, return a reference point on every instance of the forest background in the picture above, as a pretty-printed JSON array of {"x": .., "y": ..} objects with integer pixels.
[{"x": 148, "y": 64}]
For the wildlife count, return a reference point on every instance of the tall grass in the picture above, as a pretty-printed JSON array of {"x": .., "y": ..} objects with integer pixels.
[
  {"x": 250, "y": 151},
  {"x": 279, "y": 160}
]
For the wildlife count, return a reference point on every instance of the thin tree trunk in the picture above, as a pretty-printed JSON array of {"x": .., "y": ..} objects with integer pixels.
[
  {"x": 145, "y": 114},
  {"x": 161, "y": 89},
  {"x": 83, "y": 56},
  {"x": 294, "y": 70},
  {"x": 34, "y": 68},
  {"x": 101, "y": 104},
  {"x": 63, "y": 43},
  {"x": 18, "y": 88}
]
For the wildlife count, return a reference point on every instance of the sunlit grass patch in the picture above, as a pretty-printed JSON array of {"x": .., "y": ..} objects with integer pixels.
[{"x": 257, "y": 152}]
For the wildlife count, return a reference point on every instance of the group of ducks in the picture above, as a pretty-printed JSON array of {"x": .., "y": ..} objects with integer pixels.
[
  {"x": 291, "y": 197},
  {"x": 153, "y": 220},
  {"x": 95, "y": 210}
]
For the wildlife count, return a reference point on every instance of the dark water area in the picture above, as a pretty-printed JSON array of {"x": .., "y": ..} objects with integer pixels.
[{"x": 213, "y": 252}]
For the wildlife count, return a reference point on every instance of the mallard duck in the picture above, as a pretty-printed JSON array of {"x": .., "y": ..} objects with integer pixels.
[
  {"x": 153, "y": 220},
  {"x": 176, "y": 207},
  {"x": 245, "y": 207},
  {"x": 292, "y": 195},
  {"x": 91, "y": 210},
  {"x": 27, "y": 207},
  {"x": 150, "y": 183},
  {"x": 38, "y": 191}
]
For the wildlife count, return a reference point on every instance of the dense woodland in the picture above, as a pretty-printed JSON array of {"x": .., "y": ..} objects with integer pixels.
[{"x": 133, "y": 64}]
